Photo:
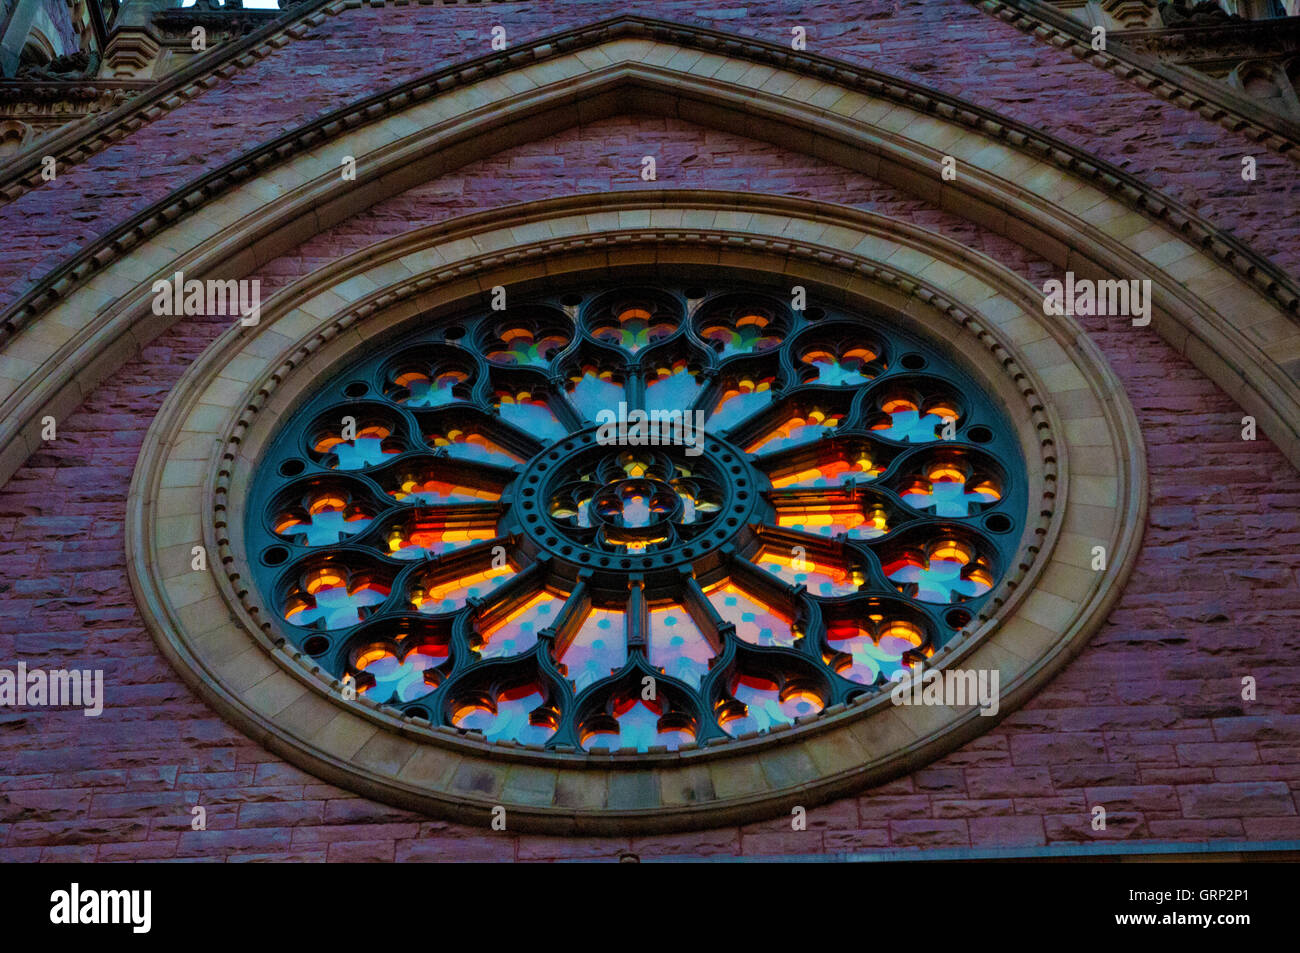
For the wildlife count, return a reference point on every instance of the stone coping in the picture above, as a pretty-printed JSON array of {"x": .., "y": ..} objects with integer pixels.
[
  {"x": 1124, "y": 186},
  {"x": 1212, "y": 100},
  {"x": 1235, "y": 328},
  {"x": 1077, "y": 430}
]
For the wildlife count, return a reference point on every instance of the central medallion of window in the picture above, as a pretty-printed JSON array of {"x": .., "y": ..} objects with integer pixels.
[
  {"x": 635, "y": 517},
  {"x": 636, "y": 500}
]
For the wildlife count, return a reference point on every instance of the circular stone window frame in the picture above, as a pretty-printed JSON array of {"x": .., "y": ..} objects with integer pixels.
[{"x": 1078, "y": 433}]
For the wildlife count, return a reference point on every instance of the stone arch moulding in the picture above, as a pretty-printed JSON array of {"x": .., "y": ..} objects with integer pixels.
[
  {"x": 1072, "y": 419},
  {"x": 1190, "y": 91},
  {"x": 1216, "y": 301}
]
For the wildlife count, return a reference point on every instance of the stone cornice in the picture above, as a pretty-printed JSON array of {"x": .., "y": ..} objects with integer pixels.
[
  {"x": 22, "y": 91},
  {"x": 1212, "y": 100},
  {"x": 1122, "y": 186},
  {"x": 1266, "y": 36},
  {"x": 180, "y": 19}
]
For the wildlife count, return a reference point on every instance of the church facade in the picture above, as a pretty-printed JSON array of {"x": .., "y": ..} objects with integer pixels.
[{"x": 524, "y": 431}]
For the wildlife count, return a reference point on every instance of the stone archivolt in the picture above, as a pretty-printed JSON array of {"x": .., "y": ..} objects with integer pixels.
[{"x": 207, "y": 623}]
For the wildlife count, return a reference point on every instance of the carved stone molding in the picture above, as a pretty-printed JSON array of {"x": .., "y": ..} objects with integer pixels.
[
  {"x": 1066, "y": 406},
  {"x": 1192, "y": 43},
  {"x": 46, "y": 107}
]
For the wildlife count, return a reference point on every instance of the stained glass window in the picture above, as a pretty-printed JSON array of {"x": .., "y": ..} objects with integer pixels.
[{"x": 636, "y": 517}]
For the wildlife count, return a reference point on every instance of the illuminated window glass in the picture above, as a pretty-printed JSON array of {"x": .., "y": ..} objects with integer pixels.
[{"x": 635, "y": 517}]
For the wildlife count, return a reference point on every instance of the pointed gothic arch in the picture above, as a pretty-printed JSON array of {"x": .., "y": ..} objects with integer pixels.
[{"x": 1224, "y": 307}]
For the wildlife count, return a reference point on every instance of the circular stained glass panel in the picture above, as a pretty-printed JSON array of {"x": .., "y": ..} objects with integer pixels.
[{"x": 635, "y": 517}]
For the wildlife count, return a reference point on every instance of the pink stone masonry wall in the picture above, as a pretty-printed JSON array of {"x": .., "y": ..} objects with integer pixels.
[{"x": 1147, "y": 721}]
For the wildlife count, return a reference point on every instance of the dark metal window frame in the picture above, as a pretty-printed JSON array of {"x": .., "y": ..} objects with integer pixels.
[{"x": 543, "y": 555}]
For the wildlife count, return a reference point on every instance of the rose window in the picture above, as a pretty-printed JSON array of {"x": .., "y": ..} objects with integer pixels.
[{"x": 637, "y": 518}]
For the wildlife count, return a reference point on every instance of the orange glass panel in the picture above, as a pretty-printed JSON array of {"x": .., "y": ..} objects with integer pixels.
[
  {"x": 821, "y": 578},
  {"x": 856, "y": 520},
  {"x": 446, "y": 595}
]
